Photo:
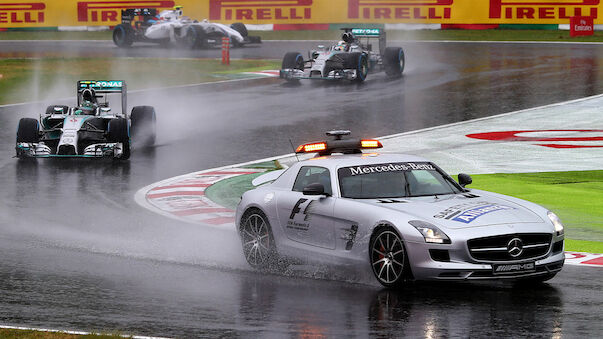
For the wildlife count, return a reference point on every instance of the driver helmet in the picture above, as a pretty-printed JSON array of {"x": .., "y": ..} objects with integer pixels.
[
  {"x": 340, "y": 46},
  {"x": 89, "y": 95},
  {"x": 178, "y": 10}
]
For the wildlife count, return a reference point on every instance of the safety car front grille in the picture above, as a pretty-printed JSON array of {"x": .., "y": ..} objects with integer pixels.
[{"x": 497, "y": 248}]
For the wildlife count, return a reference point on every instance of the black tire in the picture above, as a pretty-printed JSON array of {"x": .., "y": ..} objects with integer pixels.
[
  {"x": 28, "y": 130},
  {"x": 359, "y": 62},
  {"x": 257, "y": 240},
  {"x": 241, "y": 28},
  {"x": 388, "y": 259},
  {"x": 194, "y": 37},
  {"x": 118, "y": 131},
  {"x": 123, "y": 35},
  {"x": 394, "y": 61},
  {"x": 143, "y": 125},
  {"x": 50, "y": 109},
  {"x": 293, "y": 60}
]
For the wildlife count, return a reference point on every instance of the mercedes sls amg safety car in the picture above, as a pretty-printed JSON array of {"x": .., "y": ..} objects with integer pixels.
[
  {"x": 401, "y": 215},
  {"x": 352, "y": 58},
  {"x": 170, "y": 26},
  {"x": 89, "y": 130}
]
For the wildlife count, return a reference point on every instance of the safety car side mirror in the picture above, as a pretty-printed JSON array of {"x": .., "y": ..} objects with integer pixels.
[
  {"x": 464, "y": 179},
  {"x": 314, "y": 189}
]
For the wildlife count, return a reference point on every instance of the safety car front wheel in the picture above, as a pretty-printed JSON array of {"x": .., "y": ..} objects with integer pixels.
[
  {"x": 257, "y": 239},
  {"x": 388, "y": 258},
  {"x": 394, "y": 61},
  {"x": 123, "y": 35}
]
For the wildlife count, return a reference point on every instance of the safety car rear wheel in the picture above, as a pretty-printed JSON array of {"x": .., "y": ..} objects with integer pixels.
[
  {"x": 143, "y": 125},
  {"x": 28, "y": 130},
  {"x": 118, "y": 131},
  {"x": 394, "y": 61},
  {"x": 257, "y": 239},
  {"x": 123, "y": 35},
  {"x": 387, "y": 256},
  {"x": 359, "y": 62}
]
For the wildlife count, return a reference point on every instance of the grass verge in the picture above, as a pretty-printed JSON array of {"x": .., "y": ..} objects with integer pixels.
[
  {"x": 31, "y": 334},
  {"x": 576, "y": 197},
  {"x": 228, "y": 192},
  {"x": 450, "y": 34},
  {"x": 25, "y": 80}
]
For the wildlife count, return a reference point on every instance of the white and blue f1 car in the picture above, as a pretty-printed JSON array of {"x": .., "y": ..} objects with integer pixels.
[
  {"x": 352, "y": 58},
  {"x": 91, "y": 129},
  {"x": 401, "y": 215}
]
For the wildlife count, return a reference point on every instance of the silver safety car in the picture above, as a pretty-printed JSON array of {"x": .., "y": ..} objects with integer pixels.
[
  {"x": 352, "y": 58},
  {"x": 91, "y": 129},
  {"x": 402, "y": 215}
]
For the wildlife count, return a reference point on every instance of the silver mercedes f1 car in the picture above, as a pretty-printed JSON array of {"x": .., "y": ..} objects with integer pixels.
[
  {"x": 90, "y": 129},
  {"x": 401, "y": 215},
  {"x": 352, "y": 58}
]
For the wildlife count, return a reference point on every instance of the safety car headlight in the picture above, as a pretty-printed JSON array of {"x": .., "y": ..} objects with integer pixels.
[
  {"x": 556, "y": 222},
  {"x": 430, "y": 232}
]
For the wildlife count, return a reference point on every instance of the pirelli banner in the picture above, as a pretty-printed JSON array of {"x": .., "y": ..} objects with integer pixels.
[{"x": 52, "y": 13}]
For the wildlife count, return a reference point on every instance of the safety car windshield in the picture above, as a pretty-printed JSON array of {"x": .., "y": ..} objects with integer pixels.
[{"x": 394, "y": 180}]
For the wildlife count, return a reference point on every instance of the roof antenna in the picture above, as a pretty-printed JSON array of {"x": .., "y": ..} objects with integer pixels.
[{"x": 293, "y": 147}]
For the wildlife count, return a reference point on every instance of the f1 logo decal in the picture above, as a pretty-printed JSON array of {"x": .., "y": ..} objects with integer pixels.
[{"x": 298, "y": 208}]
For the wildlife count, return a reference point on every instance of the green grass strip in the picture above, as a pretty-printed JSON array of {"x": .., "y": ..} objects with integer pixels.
[
  {"x": 516, "y": 33},
  {"x": 576, "y": 197},
  {"x": 26, "y": 80}
]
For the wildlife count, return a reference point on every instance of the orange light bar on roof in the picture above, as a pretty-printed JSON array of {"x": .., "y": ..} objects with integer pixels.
[
  {"x": 311, "y": 148},
  {"x": 370, "y": 144}
]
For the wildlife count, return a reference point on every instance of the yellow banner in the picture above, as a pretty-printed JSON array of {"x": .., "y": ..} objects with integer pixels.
[{"x": 52, "y": 13}]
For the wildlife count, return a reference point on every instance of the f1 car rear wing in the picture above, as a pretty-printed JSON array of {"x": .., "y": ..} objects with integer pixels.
[
  {"x": 369, "y": 33},
  {"x": 104, "y": 87},
  {"x": 127, "y": 15}
]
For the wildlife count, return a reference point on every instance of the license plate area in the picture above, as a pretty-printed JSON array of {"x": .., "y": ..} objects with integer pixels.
[{"x": 502, "y": 269}]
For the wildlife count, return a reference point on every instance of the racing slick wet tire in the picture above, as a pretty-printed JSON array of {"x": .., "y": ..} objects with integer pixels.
[
  {"x": 388, "y": 258},
  {"x": 240, "y": 27},
  {"x": 123, "y": 35},
  {"x": 143, "y": 125},
  {"x": 118, "y": 131},
  {"x": 258, "y": 243},
  {"x": 293, "y": 60},
  {"x": 359, "y": 62},
  {"x": 51, "y": 109},
  {"x": 394, "y": 61},
  {"x": 28, "y": 130},
  {"x": 195, "y": 37}
]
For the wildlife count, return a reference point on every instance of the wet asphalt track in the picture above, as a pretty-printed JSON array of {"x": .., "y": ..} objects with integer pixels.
[{"x": 78, "y": 253}]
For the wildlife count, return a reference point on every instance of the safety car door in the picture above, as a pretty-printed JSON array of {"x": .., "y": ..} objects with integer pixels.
[{"x": 308, "y": 219}]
